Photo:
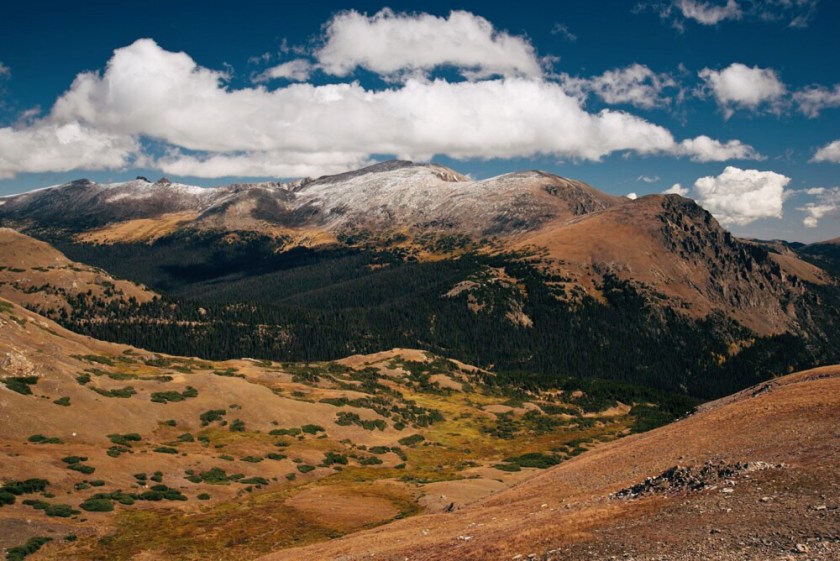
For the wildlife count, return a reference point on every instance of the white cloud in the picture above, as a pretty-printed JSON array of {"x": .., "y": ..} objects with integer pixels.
[
  {"x": 828, "y": 153},
  {"x": 648, "y": 179},
  {"x": 212, "y": 130},
  {"x": 261, "y": 164},
  {"x": 738, "y": 196},
  {"x": 798, "y": 13},
  {"x": 827, "y": 204},
  {"x": 814, "y": 99},
  {"x": 742, "y": 87},
  {"x": 5, "y": 71},
  {"x": 398, "y": 45},
  {"x": 705, "y": 149},
  {"x": 632, "y": 196},
  {"x": 676, "y": 189},
  {"x": 636, "y": 85},
  {"x": 563, "y": 31},
  {"x": 52, "y": 147},
  {"x": 297, "y": 70},
  {"x": 708, "y": 13}
]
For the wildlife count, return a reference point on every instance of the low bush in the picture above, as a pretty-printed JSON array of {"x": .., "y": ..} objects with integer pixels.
[
  {"x": 63, "y": 401},
  {"x": 412, "y": 440},
  {"x": 20, "y": 552},
  {"x": 20, "y": 384},
  {"x": 41, "y": 439}
]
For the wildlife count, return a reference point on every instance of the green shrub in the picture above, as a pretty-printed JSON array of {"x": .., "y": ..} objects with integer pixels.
[
  {"x": 6, "y": 498},
  {"x": 285, "y": 432},
  {"x": 211, "y": 416},
  {"x": 166, "y": 450},
  {"x": 203, "y": 497},
  {"x": 116, "y": 451},
  {"x": 412, "y": 440},
  {"x": 253, "y": 481},
  {"x": 312, "y": 429},
  {"x": 63, "y": 401},
  {"x": 535, "y": 460},
  {"x": 83, "y": 378},
  {"x": 173, "y": 396},
  {"x": 41, "y": 439},
  {"x": 61, "y": 511},
  {"x": 74, "y": 459},
  {"x": 170, "y": 422},
  {"x": 25, "y": 487},
  {"x": 125, "y": 439},
  {"x": 305, "y": 468},
  {"x": 291, "y": 476},
  {"x": 237, "y": 425},
  {"x": 20, "y": 384},
  {"x": 186, "y": 437},
  {"x": 507, "y": 467},
  {"x": 157, "y": 476},
  {"x": 20, "y": 552},
  {"x": 331, "y": 458},
  {"x": 124, "y": 393},
  {"x": 97, "y": 505},
  {"x": 379, "y": 449},
  {"x": 213, "y": 476},
  {"x": 252, "y": 459},
  {"x": 275, "y": 456},
  {"x": 370, "y": 461},
  {"x": 82, "y": 468}
]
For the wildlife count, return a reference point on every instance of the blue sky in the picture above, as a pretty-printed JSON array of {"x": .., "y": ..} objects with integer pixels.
[{"x": 735, "y": 103}]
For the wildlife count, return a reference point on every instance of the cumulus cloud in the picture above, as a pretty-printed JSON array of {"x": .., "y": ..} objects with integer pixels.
[
  {"x": 635, "y": 85},
  {"x": 811, "y": 101},
  {"x": 211, "y": 130},
  {"x": 705, "y": 149},
  {"x": 297, "y": 70},
  {"x": 829, "y": 153},
  {"x": 648, "y": 179},
  {"x": 740, "y": 196},
  {"x": 5, "y": 71},
  {"x": 797, "y": 13},
  {"x": 52, "y": 147},
  {"x": 395, "y": 45},
  {"x": 739, "y": 86},
  {"x": 676, "y": 189},
  {"x": 632, "y": 196},
  {"x": 827, "y": 203}
]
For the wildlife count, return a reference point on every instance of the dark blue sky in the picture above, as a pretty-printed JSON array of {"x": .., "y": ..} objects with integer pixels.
[{"x": 45, "y": 45}]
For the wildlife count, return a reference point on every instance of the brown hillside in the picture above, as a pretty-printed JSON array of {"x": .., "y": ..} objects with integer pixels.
[
  {"x": 320, "y": 449},
  {"x": 787, "y": 505},
  {"x": 33, "y": 273},
  {"x": 669, "y": 246}
]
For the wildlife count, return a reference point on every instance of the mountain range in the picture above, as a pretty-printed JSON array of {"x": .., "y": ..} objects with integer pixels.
[{"x": 396, "y": 253}]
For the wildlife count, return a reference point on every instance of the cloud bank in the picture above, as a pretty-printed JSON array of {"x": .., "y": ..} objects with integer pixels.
[{"x": 502, "y": 107}]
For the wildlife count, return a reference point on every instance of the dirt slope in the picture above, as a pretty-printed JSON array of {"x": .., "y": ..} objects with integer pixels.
[
  {"x": 568, "y": 512},
  {"x": 33, "y": 273}
]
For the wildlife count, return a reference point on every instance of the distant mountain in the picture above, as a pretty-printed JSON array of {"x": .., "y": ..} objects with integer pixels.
[
  {"x": 823, "y": 254},
  {"x": 528, "y": 271}
]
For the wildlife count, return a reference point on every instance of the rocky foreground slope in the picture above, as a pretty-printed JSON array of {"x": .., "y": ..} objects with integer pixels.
[{"x": 753, "y": 476}]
